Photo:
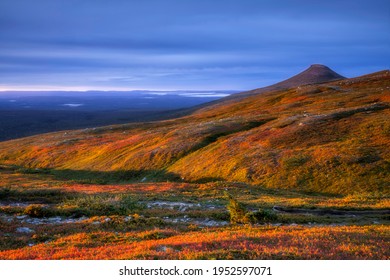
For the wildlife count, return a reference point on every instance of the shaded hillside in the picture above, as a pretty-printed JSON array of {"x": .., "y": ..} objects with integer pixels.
[{"x": 331, "y": 138}]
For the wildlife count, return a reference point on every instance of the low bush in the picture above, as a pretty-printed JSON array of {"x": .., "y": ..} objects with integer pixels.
[
  {"x": 238, "y": 214},
  {"x": 38, "y": 211},
  {"x": 5, "y": 192},
  {"x": 91, "y": 205},
  {"x": 261, "y": 216}
]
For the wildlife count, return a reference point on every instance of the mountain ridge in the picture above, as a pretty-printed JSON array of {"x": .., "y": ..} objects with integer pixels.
[
  {"x": 315, "y": 74},
  {"x": 330, "y": 137}
]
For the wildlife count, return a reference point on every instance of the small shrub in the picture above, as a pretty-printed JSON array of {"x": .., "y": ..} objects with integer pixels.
[
  {"x": 5, "y": 192},
  {"x": 37, "y": 211},
  {"x": 261, "y": 216},
  {"x": 238, "y": 214}
]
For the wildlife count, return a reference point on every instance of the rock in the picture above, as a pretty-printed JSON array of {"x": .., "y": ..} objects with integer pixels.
[
  {"x": 128, "y": 218},
  {"x": 24, "y": 230},
  {"x": 166, "y": 249},
  {"x": 54, "y": 220},
  {"x": 162, "y": 249},
  {"x": 21, "y": 217}
]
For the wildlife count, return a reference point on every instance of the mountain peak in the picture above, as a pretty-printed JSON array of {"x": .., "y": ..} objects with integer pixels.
[
  {"x": 319, "y": 66},
  {"x": 315, "y": 74}
]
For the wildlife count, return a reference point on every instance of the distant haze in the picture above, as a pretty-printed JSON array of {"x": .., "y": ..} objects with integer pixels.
[
  {"x": 105, "y": 100},
  {"x": 176, "y": 44},
  {"x": 24, "y": 113}
]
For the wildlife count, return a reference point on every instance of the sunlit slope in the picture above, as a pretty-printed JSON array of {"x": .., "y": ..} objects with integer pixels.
[{"x": 331, "y": 137}]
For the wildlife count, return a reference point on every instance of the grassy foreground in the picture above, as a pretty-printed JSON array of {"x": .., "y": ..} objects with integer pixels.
[
  {"x": 260, "y": 242},
  {"x": 43, "y": 217}
]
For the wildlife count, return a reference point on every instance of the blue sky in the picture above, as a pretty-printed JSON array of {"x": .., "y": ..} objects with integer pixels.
[{"x": 185, "y": 44}]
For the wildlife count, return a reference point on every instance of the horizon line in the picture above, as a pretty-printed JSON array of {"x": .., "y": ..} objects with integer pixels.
[{"x": 116, "y": 90}]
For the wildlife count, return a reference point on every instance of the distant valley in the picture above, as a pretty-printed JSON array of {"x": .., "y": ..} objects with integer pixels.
[{"x": 28, "y": 113}]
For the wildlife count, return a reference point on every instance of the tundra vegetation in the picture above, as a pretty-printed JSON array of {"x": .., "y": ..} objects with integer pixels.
[{"x": 298, "y": 173}]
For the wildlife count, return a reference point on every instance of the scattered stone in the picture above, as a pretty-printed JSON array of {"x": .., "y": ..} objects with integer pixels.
[
  {"x": 41, "y": 221},
  {"x": 24, "y": 230},
  {"x": 128, "y": 218},
  {"x": 7, "y": 218},
  {"x": 180, "y": 206},
  {"x": 200, "y": 222},
  {"x": 165, "y": 249},
  {"x": 143, "y": 179},
  {"x": 21, "y": 217},
  {"x": 15, "y": 204},
  {"x": 211, "y": 223},
  {"x": 162, "y": 249},
  {"x": 54, "y": 220}
]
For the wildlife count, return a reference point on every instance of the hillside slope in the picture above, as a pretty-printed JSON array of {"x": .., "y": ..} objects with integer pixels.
[
  {"x": 330, "y": 138},
  {"x": 315, "y": 74}
]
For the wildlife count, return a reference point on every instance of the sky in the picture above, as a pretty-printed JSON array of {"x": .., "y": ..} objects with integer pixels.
[{"x": 185, "y": 44}]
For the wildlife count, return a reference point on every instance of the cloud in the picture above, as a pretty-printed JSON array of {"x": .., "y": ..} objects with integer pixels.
[{"x": 191, "y": 44}]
